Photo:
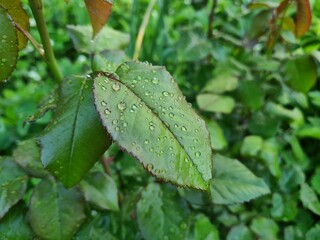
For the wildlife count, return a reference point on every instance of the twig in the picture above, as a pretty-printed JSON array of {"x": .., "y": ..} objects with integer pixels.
[
  {"x": 142, "y": 29},
  {"x": 32, "y": 40},
  {"x": 211, "y": 18}
]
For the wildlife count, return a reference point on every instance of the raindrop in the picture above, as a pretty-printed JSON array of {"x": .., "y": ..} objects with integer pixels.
[
  {"x": 147, "y": 93},
  {"x": 103, "y": 88},
  {"x": 134, "y": 81},
  {"x": 122, "y": 106},
  {"x": 117, "y": 128},
  {"x": 150, "y": 167},
  {"x": 176, "y": 125},
  {"x": 158, "y": 171},
  {"x": 139, "y": 78},
  {"x": 170, "y": 108},
  {"x": 158, "y": 139},
  {"x": 107, "y": 111},
  {"x": 146, "y": 141},
  {"x": 121, "y": 118},
  {"x": 151, "y": 149},
  {"x": 106, "y": 80},
  {"x": 186, "y": 160},
  {"x": 152, "y": 127},
  {"x": 171, "y": 115},
  {"x": 116, "y": 87},
  {"x": 155, "y": 80},
  {"x": 170, "y": 148},
  {"x": 183, "y": 128},
  {"x": 165, "y": 93},
  {"x": 198, "y": 154},
  {"x": 124, "y": 67},
  {"x": 125, "y": 124},
  {"x": 4, "y": 60},
  {"x": 114, "y": 122}
]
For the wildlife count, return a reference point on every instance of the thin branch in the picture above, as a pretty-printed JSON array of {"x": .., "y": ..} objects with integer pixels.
[
  {"x": 32, "y": 40},
  {"x": 211, "y": 18},
  {"x": 142, "y": 29}
]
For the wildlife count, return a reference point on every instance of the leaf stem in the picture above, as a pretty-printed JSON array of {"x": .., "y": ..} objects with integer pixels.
[
  {"x": 142, "y": 29},
  {"x": 36, "y": 8}
]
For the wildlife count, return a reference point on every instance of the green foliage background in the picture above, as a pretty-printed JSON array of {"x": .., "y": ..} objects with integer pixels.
[{"x": 260, "y": 108}]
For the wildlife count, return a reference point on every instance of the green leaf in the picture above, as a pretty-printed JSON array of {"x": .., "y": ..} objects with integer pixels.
[
  {"x": 239, "y": 232},
  {"x": 145, "y": 112},
  {"x": 291, "y": 178},
  {"x": 309, "y": 131},
  {"x": 215, "y": 103},
  {"x": 107, "y": 39},
  {"x": 95, "y": 229},
  {"x": 251, "y": 146},
  {"x": 99, "y": 12},
  {"x": 8, "y": 45},
  {"x": 251, "y": 94},
  {"x": 263, "y": 125},
  {"x": 192, "y": 47},
  {"x": 218, "y": 140},
  {"x": 161, "y": 214},
  {"x": 222, "y": 83},
  {"x": 204, "y": 229},
  {"x": 270, "y": 155},
  {"x": 309, "y": 199},
  {"x": 265, "y": 228},
  {"x": 100, "y": 189},
  {"x": 27, "y": 156},
  {"x": 14, "y": 225},
  {"x": 55, "y": 212},
  {"x": 19, "y": 17},
  {"x": 232, "y": 182},
  {"x": 315, "y": 180},
  {"x": 75, "y": 139},
  {"x": 313, "y": 233},
  {"x": 13, "y": 184},
  {"x": 301, "y": 73}
]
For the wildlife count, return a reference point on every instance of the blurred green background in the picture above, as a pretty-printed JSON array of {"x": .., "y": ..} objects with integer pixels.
[{"x": 261, "y": 105}]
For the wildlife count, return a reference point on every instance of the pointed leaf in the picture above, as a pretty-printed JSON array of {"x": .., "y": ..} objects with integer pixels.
[
  {"x": 27, "y": 155},
  {"x": 55, "y": 212},
  {"x": 75, "y": 140},
  {"x": 19, "y": 16},
  {"x": 13, "y": 184},
  {"x": 304, "y": 17},
  {"x": 161, "y": 214},
  {"x": 309, "y": 199},
  {"x": 101, "y": 190},
  {"x": 145, "y": 112},
  {"x": 99, "y": 12},
  {"x": 14, "y": 225},
  {"x": 8, "y": 45},
  {"x": 234, "y": 183}
]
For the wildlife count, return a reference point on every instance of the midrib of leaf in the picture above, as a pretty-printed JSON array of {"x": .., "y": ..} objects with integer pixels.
[
  {"x": 74, "y": 125},
  {"x": 164, "y": 125}
]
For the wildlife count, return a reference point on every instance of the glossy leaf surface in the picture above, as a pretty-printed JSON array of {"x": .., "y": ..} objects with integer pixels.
[
  {"x": 99, "y": 12},
  {"x": 19, "y": 17},
  {"x": 161, "y": 215},
  {"x": 75, "y": 139},
  {"x": 234, "y": 183},
  {"x": 145, "y": 112},
  {"x": 8, "y": 45},
  {"x": 13, "y": 184},
  {"x": 55, "y": 212}
]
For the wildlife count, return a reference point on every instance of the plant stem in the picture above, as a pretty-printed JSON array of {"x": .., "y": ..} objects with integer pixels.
[
  {"x": 142, "y": 29},
  {"x": 211, "y": 18},
  {"x": 36, "y": 8}
]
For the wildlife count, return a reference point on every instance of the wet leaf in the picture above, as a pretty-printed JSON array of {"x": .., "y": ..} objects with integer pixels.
[
  {"x": 145, "y": 112},
  {"x": 8, "y": 45},
  {"x": 19, "y": 16},
  {"x": 161, "y": 214},
  {"x": 13, "y": 184},
  {"x": 304, "y": 17},
  {"x": 55, "y": 212},
  {"x": 75, "y": 139},
  {"x": 233, "y": 183},
  {"x": 99, "y": 12}
]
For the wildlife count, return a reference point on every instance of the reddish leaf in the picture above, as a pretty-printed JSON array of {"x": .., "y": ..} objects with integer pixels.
[
  {"x": 99, "y": 12},
  {"x": 304, "y": 16}
]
